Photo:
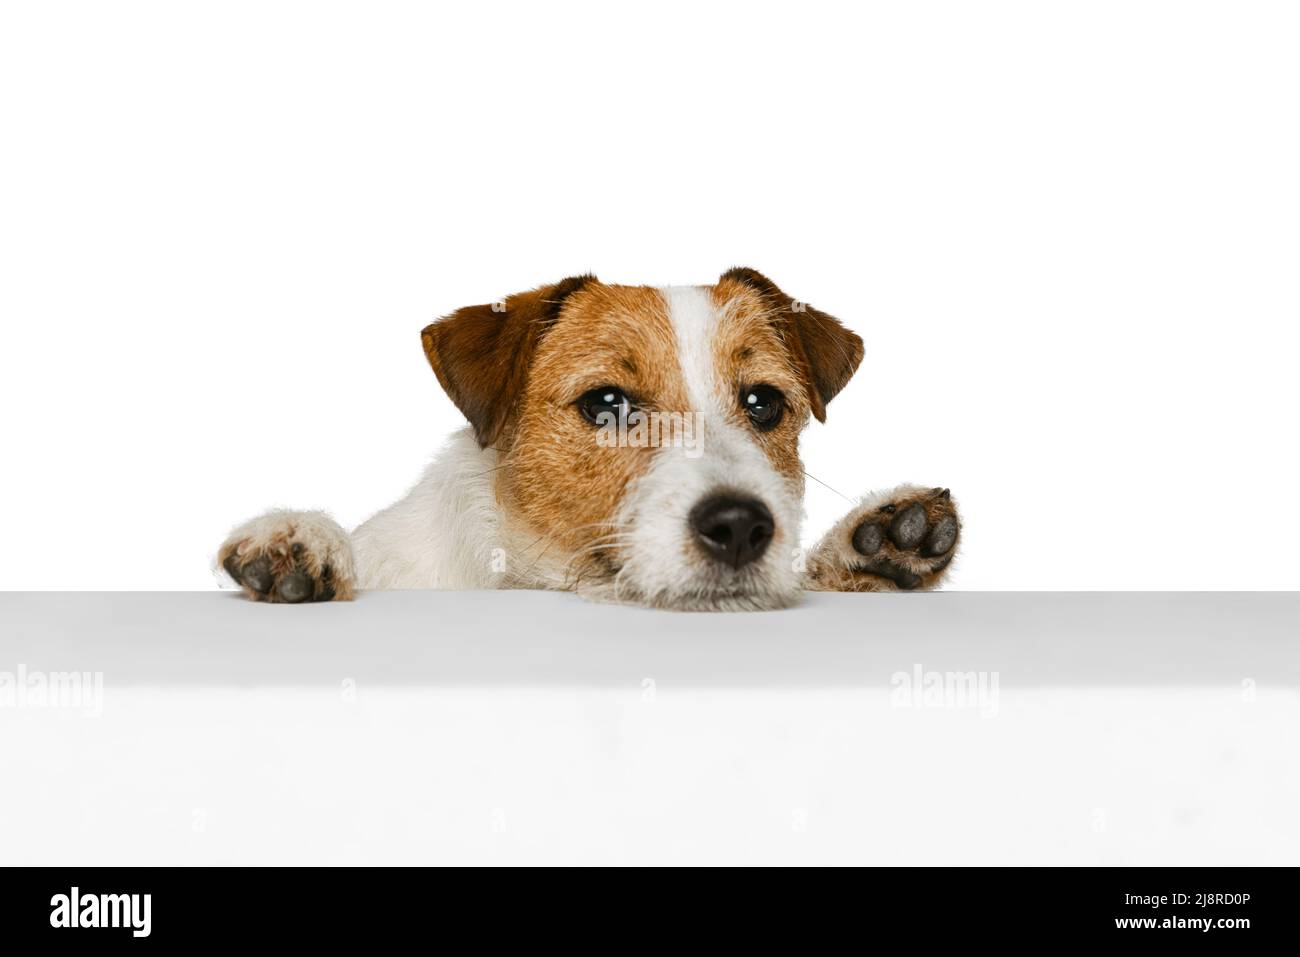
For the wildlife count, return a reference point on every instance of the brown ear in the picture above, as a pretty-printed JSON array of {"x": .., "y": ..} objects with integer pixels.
[
  {"x": 826, "y": 353},
  {"x": 481, "y": 354}
]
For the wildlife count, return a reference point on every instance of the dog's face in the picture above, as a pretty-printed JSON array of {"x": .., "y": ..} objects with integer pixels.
[{"x": 649, "y": 437}]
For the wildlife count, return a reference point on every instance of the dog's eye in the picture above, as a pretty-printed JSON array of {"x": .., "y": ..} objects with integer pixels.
[
  {"x": 604, "y": 406},
  {"x": 764, "y": 405}
]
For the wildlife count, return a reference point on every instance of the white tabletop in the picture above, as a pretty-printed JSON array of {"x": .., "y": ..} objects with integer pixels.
[{"x": 427, "y": 727}]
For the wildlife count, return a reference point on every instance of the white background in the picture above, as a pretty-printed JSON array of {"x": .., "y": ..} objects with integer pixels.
[{"x": 1067, "y": 232}]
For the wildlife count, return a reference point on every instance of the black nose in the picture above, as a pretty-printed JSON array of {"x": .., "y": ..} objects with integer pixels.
[{"x": 732, "y": 530}]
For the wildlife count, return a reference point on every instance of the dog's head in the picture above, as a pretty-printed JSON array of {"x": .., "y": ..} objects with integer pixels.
[{"x": 649, "y": 436}]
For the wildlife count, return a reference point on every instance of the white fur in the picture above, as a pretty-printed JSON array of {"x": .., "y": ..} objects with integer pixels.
[{"x": 445, "y": 533}]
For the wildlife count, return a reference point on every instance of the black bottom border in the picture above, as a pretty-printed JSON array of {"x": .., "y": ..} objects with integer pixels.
[{"x": 800, "y": 907}]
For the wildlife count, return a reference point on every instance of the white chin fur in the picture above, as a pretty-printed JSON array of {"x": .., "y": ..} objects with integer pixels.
[{"x": 661, "y": 564}]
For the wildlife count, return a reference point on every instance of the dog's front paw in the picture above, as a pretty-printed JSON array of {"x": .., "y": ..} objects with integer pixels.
[
  {"x": 291, "y": 557},
  {"x": 901, "y": 539}
]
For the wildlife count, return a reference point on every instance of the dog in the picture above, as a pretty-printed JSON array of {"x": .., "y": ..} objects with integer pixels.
[{"x": 630, "y": 443}]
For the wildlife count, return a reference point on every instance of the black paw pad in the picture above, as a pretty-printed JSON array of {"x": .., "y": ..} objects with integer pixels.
[
  {"x": 941, "y": 537},
  {"x": 867, "y": 538},
  {"x": 294, "y": 587},
  {"x": 902, "y": 577},
  {"x": 907, "y": 528},
  {"x": 257, "y": 575}
]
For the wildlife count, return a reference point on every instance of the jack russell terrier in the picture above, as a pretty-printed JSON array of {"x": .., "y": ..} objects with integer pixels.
[{"x": 629, "y": 443}]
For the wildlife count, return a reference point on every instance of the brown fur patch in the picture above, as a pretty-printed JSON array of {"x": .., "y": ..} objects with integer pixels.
[
  {"x": 556, "y": 477},
  {"x": 750, "y": 351},
  {"x": 823, "y": 350},
  {"x": 481, "y": 354}
]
